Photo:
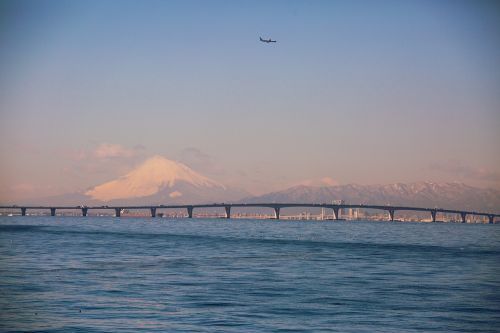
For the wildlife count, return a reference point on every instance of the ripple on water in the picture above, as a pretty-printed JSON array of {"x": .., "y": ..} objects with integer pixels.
[{"x": 156, "y": 275}]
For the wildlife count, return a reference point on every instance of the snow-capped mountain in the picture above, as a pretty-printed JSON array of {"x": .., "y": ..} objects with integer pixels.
[
  {"x": 157, "y": 181},
  {"x": 155, "y": 175},
  {"x": 420, "y": 194}
]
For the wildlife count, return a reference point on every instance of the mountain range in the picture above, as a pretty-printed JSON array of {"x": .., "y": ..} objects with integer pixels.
[
  {"x": 420, "y": 194},
  {"x": 159, "y": 180}
]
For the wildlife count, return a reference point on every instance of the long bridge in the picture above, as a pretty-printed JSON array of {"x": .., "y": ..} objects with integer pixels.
[{"x": 391, "y": 210}]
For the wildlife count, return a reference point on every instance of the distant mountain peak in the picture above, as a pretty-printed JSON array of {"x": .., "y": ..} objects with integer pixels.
[
  {"x": 153, "y": 175},
  {"x": 321, "y": 182}
]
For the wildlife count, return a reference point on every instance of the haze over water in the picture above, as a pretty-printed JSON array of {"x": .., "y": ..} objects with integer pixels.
[{"x": 207, "y": 275}]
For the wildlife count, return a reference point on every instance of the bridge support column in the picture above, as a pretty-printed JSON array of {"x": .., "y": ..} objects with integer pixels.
[
  {"x": 153, "y": 212},
  {"x": 228, "y": 212},
  {"x": 336, "y": 212},
  {"x": 118, "y": 212},
  {"x": 23, "y": 211},
  {"x": 190, "y": 211},
  {"x": 391, "y": 214},
  {"x": 464, "y": 217},
  {"x": 84, "y": 211},
  {"x": 277, "y": 213},
  {"x": 433, "y": 215},
  {"x": 491, "y": 219},
  {"x": 52, "y": 212}
]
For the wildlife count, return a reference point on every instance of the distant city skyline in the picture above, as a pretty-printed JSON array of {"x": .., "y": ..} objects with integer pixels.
[{"x": 352, "y": 92}]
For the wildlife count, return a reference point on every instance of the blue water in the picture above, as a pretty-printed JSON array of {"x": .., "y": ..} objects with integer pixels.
[{"x": 74, "y": 274}]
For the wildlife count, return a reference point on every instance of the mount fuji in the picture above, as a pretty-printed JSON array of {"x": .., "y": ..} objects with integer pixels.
[{"x": 156, "y": 181}]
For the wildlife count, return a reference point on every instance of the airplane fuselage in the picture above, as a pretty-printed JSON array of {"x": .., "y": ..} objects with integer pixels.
[{"x": 267, "y": 40}]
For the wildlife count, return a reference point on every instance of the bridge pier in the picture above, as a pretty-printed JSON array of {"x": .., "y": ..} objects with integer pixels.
[
  {"x": 491, "y": 219},
  {"x": 228, "y": 211},
  {"x": 84, "y": 211},
  {"x": 336, "y": 212},
  {"x": 118, "y": 212},
  {"x": 153, "y": 211},
  {"x": 277, "y": 213},
  {"x": 463, "y": 216},
  {"x": 391, "y": 214},
  {"x": 23, "y": 211},
  {"x": 190, "y": 211},
  {"x": 433, "y": 215},
  {"x": 52, "y": 212}
]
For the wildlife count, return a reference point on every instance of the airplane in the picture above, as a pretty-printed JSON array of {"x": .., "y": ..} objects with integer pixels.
[{"x": 267, "y": 40}]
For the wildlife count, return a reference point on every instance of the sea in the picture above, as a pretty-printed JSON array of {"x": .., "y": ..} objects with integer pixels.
[{"x": 105, "y": 274}]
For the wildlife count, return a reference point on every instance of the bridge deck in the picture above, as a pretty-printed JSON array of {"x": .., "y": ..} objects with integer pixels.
[{"x": 275, "y": 206}]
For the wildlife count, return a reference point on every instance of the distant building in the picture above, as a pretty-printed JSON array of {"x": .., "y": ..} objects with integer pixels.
[{"x": 339, "y": 202}]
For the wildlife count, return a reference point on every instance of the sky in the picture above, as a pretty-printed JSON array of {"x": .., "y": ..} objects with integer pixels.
[{"x": 365, "y": 92}]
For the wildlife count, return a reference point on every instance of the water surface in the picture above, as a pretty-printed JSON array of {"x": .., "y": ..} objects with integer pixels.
[{"x": 74, "y": 274}]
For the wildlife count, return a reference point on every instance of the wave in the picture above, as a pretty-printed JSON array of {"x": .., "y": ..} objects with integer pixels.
[{"x": 265, "y": 241}]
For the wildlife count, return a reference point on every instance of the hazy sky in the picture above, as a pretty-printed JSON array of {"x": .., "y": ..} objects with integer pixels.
[{"x": 359, "y": 91}]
